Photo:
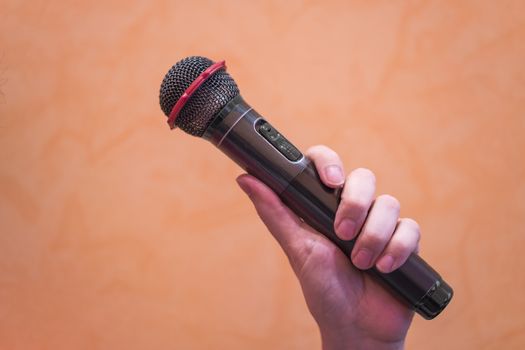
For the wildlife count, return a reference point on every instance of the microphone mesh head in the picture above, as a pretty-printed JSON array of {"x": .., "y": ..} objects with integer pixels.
[{"x": 205, "y": 103}]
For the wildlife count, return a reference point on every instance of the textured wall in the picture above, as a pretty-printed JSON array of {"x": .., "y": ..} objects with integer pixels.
[{"x": 119, "y": 234}]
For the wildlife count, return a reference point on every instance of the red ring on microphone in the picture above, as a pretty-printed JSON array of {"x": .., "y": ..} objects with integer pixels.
[{"x": 191, "y": 89}]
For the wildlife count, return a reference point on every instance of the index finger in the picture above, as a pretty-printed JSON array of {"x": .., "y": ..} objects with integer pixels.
[{"x": 328, "y": 165}]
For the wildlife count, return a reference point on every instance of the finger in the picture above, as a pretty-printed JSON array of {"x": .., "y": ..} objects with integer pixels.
[
  {"x": 328, "y": 165},
  {"x": 280, "y": 220},
  {"x": 356, "y": 198},
  {"x": 379, "y": 227},
  {"x": 404, "y": 242}
]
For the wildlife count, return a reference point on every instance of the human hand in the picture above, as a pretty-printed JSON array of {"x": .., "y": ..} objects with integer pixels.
[{"x": 351, "y": 309}]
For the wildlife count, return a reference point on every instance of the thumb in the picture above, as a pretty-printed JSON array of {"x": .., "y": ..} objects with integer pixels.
[{"x": 282, "y": 223}]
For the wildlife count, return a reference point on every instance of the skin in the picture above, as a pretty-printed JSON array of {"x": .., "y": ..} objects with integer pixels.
[{"x": 351, "y": 309}]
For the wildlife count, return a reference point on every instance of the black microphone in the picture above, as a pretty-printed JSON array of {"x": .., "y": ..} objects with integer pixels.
[{"x": 201, "y": 98}]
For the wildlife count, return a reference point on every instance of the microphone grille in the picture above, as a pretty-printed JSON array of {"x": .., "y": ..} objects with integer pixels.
[{"x": 205, "y": 103}]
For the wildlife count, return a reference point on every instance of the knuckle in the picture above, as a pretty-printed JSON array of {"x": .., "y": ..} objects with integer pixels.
[
  {"x": 353, "y": 204},
  {"x": 364, "y": 173},
  {"x": 401, "y": 248},
  {"x": 389, "y": 201},
  {"x": 372, "y": 239},
  {"x": 312, "y": 149},
  {"x": 411, "y": 223},
  {"x": 319, "y": 150}
]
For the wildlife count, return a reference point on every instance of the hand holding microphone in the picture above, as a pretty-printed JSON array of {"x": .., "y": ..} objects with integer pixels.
[
  {"x": 203, "y": 100},
  {"x": 349, "y": 307}
]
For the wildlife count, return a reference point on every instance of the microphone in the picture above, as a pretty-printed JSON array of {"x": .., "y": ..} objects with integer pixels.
[{"x": 201, "y": 98}]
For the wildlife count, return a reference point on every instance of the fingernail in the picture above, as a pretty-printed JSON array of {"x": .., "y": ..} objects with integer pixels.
[
  {"x": 346, "y": 229},
  {"x": 363, "y": 259},
  {"x": 246, "y": 189},
  {"x": 334, "y": 175},
  {"x": 385, "y": 264}
]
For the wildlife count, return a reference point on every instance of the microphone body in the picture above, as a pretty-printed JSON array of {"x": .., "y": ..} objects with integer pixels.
[{"x": 255, "y": 145}]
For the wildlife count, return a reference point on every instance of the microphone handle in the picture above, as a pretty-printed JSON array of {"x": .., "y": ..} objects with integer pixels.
[
  {"x": 248, "y": 139},
  {"x": 415, "y": 282}
]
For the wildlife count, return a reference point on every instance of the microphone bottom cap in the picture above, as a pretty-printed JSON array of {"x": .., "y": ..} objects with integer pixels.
[{"x": 435, "y": 301}]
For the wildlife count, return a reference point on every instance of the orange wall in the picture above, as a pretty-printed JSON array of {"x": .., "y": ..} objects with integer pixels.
[{"x": 119, "y": 234}]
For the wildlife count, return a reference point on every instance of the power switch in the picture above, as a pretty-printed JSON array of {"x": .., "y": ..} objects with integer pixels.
[{"x": 279, "y": 142}]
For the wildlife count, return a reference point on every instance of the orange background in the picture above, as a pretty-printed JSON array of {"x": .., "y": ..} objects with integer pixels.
[{"x": 119, "y": 234}]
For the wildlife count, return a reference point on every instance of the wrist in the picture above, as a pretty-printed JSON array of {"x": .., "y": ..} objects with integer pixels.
[{"x": 349, "y": 341}]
